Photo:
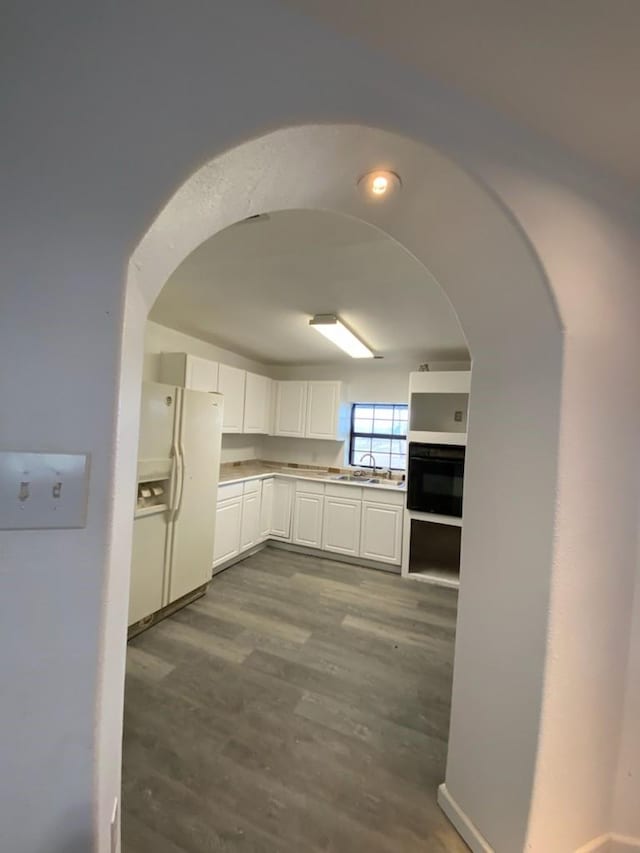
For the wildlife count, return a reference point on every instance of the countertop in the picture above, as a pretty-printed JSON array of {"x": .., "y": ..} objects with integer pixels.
[{"x": 238, "y": 473}]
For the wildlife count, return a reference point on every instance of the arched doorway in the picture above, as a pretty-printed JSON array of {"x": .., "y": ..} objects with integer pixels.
[{"x": 487, "y": 269}]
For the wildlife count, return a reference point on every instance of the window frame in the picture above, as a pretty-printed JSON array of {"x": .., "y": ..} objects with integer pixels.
[{"x": 372, "y": 435}]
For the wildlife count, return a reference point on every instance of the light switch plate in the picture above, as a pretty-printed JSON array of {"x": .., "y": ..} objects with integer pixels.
[{"x": 43, "y": 490}]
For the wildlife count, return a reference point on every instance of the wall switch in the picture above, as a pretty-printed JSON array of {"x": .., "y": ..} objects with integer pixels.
[
  {"x": 43, "y": 490},
  {"x": 458, "y": 416}
]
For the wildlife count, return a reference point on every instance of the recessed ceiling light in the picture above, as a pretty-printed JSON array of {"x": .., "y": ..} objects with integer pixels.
[
  {"x": 335, "y": 330},
  {"x": 379, "y": 184}
]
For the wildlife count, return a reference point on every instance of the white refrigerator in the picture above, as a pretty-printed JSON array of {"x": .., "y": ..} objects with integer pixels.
[{"x": 178, "y": 469}]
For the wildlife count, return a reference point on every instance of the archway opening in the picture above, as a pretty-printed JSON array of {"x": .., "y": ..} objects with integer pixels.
[
  {"x": 308, "y": 645},
  {"x": 487, "y": 269}
]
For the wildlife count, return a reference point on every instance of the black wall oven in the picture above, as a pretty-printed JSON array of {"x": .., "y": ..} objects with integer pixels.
[{"x": 435, "y": 477}]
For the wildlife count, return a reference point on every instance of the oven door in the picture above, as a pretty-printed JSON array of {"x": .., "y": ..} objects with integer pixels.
[{"x": 435, "y": 485}]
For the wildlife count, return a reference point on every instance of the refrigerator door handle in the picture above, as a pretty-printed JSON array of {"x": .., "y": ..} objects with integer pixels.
[
  {"x": 180, "y": 491},
  {"x": 173, "y": 480}
]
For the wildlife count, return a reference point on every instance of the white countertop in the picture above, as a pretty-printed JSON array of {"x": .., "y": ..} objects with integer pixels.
[{"x": 261, "y": 472}]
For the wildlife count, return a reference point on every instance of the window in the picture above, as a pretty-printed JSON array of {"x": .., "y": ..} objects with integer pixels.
[{"x": 379, "y": 429}]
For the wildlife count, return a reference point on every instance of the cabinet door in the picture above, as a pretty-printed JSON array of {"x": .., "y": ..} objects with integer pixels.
[
  {"x": 188, "y": 371},
  {"x": 231, "y": 383},
  {"x": 307, "y": 520},
  {"x": 291, "y": 400},
  {"x": 341, "y": 526},
  {"x": 249, "y": 529},
  {"x": 227, "y": 532},
  {"x": 381, "y": 532},
  {"x": 203, "y": 374},
  {"x": 257, "y": 403},
  {"x": 266, "y": 509},
  {"x": 282, "y": 501},
  {"x": 323, "y": 410}
]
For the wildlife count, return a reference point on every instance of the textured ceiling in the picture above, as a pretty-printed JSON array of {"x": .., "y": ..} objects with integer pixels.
[
  {"x": 568, "y": 69},
  {"x": 253, "y": 287}
]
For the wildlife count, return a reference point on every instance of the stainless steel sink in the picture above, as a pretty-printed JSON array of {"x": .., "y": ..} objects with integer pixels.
[
  {"x": 367, "y": 481},
  {"x": 352, "y": 478}
]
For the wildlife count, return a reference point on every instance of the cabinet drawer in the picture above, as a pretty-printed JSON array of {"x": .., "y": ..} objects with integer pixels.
[
  {"x": 338, "y": 490},
  {"x": 251, "y": 487},
  {"x": 384, "y": 496},
  {"x": 311, "y": 487},
  {"x": 232, "y": 490}
]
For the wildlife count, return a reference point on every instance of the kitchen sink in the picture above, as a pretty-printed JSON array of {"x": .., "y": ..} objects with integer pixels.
[
  {"x": 352, "y": 478},
  {"x": 367, "y": 481}
]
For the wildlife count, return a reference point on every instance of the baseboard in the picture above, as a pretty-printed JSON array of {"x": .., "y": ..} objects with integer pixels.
[
  {"x": 330, "y": 555},
  {"x": 601, "y": 844},
  {"x": 238, "y": 558},
  {"x": 623, "y": 843},
  {"x": 611, "y": 843},
  {"x": 464, "y": 827}
]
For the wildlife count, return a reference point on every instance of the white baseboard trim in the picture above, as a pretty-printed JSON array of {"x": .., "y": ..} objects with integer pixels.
[
  {"x": 611, "y": 843},
  {"x": 464, "y": 827},
  {"x": 623, "y": 843},
  {"x": 596, "y": 845},
  {"x": 331, "y": 555}
]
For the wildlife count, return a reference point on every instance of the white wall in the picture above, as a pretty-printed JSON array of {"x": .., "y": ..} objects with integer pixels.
[
  {"x": 595, "y": 554},
  {"x": 367, "y": 381},
  {"x": 108, "y": 115},
  {"x": 159, "y": 339},
  {"x": 626, "y": 810}
]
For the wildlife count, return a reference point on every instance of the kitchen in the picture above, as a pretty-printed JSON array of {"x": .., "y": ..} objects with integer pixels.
[{"x": 308, "y": 450}]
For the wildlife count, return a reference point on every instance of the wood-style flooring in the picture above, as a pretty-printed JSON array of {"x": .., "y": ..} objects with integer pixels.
[{"x": 302, "y": 705}]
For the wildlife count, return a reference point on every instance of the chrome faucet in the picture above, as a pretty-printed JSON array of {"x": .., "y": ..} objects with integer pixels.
[{"x": 373, "y": 460}]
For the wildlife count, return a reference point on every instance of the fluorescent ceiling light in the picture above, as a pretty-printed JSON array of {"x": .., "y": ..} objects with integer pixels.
[{"x": 333, "y": 329}]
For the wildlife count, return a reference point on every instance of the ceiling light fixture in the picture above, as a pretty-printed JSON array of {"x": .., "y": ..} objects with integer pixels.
[
  {"x": 335, "y": 330},
  {"x": 379, "y": 184}
]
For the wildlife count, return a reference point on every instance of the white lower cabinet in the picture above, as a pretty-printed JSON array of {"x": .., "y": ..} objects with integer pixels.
[
  {"x": 341, "y": 525},
  {"x": 282, "y": 505},
  {"x": 343, "y": 519},
  {"x": 228, "y": 524},
  {"x": 381, "y": 532},
  {"x": 307, "y": 519},
  {"x": 266, "y": 509},
  {"x": 250, "y": 526}
]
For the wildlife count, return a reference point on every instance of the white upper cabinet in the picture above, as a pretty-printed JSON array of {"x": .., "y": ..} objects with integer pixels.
[
  {"x": 231, "y": 383},
  {"x": 308, "y": 409},
  {"x": 323, "y": 410},
  {"x": 188, "y": 371},
  {"x": 257, "y": 404},
  {"x": 291, "y": 408}
]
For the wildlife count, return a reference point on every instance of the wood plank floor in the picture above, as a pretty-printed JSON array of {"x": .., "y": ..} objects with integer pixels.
[{"x": 303, "y": 705}]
